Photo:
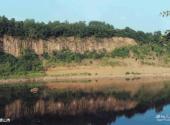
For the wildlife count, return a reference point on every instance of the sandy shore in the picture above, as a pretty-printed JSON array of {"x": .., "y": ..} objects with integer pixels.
[
  {"x": 97, "y": 72},
  {"x": 93, "y": 72}
]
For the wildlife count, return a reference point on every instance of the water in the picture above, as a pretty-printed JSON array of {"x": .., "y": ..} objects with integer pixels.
[
  {"x": 147, "y": 118},
  {"x": 100, "y": 102}
]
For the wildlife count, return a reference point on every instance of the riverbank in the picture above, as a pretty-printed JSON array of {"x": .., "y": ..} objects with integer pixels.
[
  {"x": 71, "y": 100},
  {"x": 85, "y": 73}
]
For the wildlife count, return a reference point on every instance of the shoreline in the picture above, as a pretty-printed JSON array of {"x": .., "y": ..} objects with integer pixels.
[
  {"x": 47, "y": 79},
  {"x": 95, "y": 72}
]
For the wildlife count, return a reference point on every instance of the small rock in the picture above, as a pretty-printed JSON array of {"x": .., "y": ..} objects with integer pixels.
[{"x": 34, "y": 90}]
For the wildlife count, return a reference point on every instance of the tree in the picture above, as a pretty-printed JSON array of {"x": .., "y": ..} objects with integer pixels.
[
  {"x": 165, "y": 13},
  {"x": 40, "y": 30},
  {"x": 3, "y": 25},
  {"x": 29, "y": 61},
  {"x": 100, "y": 29}
]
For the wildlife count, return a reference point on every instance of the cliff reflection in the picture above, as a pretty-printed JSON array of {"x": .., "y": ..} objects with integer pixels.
[
  {"x": 97, "y": 118},
  {"x": 18, "y": 109}
]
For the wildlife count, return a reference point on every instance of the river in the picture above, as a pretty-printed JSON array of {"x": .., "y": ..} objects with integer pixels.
[{"x": 88, "y": 102}]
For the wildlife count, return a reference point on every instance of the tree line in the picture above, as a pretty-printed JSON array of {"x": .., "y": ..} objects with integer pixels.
[{"x": 40, "y": 30}]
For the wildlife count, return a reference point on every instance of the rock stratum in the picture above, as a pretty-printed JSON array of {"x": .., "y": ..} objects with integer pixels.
[{"x": 15, "y": 45}]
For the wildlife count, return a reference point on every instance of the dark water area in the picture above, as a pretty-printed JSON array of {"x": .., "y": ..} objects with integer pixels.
[
  {"x": 146, "y": 116},
  {"x": 87, "y": 104}
]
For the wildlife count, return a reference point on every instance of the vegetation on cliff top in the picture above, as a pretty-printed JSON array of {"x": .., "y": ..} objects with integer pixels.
[{"x": 31, "y": 29}]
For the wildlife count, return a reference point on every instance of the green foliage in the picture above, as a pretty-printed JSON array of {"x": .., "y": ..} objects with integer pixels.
[
  {"x": 69, "y": 56},
  {"x": 141, "y": 51},
  {"x": 120, "y": 52},
  {"x": 100, "y": 29},
  {"x": 107, "y": 61},
  {"x": 159, "y": 50},
  {"x": 167, "y": 36},
  {"x": 165, "y": 13},
  {"x": 7, "y": 63},
  {"x": 154, "y": 50},
  {"x": 66, "y": 56},
  {"x": 94, "y": 54},
  {"x": 145, "y": 51},
  {"x": 31, "y": 29},
  {"x": 140, "y": 36},
  {"x": 28, "y": 62}
]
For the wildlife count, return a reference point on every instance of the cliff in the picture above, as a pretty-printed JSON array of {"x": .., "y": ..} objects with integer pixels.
[{"x": 14, "y": 46}]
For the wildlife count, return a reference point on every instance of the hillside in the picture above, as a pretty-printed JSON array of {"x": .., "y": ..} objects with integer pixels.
[{"x": 32, "y": 49}]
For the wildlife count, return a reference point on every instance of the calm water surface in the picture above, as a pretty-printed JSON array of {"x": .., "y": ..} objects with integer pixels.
[
  {"x": 147, "y": 118},
  {"x": 98, "y": 102}
]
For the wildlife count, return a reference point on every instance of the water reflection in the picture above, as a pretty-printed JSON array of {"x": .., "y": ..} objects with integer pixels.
[
  {"x": 18, "y": 109},
  {"x": 81, "y": 103},
  {"x": 100, "y": 118}
]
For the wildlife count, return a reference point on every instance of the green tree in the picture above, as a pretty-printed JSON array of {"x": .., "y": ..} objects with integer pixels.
[
  {"x": 120, "y": 52},
  {"x": 29, "y": 61},
  {"x": 165, "y": 13}
]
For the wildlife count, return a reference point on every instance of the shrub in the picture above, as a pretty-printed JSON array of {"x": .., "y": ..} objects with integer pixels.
[
  {"x": 94, "y": 54},
  {"x": 7, "y": 64},
  {"x": 66, "y": 56},
  {"x": 29, "y": 61},
  {"x": 120, "y": 52},
  {"x": 141, "y": 51}
]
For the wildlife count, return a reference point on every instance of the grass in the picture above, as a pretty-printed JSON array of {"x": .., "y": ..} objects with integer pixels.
[
  {"x": 106, "y": 61},
  {"x": 148, "y": 63},
  {"x": 30, "y": 74},
  {"x": 127, "y": 73},
  {"x": 133, "y": 73},
  {"x": 72, "y": 74},
  {"x": 72, "y": 81},
  {"x": 20, "y": 86}
]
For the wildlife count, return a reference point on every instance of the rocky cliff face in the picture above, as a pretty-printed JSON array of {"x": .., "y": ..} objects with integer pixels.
[{"x": 14, "y": 45}]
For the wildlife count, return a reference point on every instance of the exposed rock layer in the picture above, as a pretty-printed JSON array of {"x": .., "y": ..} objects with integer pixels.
[{"x": 14, "y": 46}]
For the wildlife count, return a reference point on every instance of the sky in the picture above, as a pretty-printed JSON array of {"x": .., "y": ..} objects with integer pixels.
[{"x": 137, "y": 14}]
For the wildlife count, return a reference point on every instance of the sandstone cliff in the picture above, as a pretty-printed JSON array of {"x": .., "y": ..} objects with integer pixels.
[{"x": 14, "y": 46}]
